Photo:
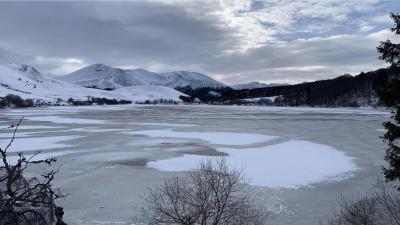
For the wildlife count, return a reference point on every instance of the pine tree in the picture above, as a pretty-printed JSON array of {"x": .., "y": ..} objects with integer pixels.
[{"x": 390, "y": 52}]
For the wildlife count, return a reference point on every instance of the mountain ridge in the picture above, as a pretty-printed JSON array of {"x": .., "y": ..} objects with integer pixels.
[{"x": 106, "y": 77}]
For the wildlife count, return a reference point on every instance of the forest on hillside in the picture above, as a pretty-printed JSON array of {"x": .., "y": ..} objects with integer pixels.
[{"x": 342, "y": 91}]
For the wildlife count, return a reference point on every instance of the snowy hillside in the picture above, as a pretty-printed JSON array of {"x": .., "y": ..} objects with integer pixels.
[
  {"x": 106, "y": 77},
  {"x": 254, "y": 85},
  {"x": 140, "y": 93},
  {"x": 27, "y": 82}
]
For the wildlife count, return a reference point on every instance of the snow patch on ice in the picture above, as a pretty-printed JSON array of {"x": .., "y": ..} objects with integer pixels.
[
  {"x": 287, "y": 165},
  {"x": 166, "y": 124},
  {"x": 217, "y": 138},
  {"x": 34, "y": 144},
  {"x": 34, "y": 127}
]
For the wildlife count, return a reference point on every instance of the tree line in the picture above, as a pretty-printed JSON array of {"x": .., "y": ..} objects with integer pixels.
[{"x": 343, "y": 91}]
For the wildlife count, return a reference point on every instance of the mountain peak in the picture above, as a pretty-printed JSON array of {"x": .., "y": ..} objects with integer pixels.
[
  {"x": 97, "y": 66},
  {"x": 24, "y": 68},
  {"x": 141, "y": 70}
]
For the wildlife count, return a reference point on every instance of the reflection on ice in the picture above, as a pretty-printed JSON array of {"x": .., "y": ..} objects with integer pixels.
[
  {"x": 59, "y": 119},
  {"x": 287, "y": 165}
]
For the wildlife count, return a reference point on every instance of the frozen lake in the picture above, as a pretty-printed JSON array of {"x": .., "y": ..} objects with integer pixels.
[{"x": 298, "y": 160}]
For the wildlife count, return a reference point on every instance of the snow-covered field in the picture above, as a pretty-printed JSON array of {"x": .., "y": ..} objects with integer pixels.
[
  {"x": 299, "y": 160},
  {"x": 36, "y": 144}
]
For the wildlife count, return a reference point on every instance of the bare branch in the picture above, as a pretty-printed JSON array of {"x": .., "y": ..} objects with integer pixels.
[{"x": 23, "y": 200}]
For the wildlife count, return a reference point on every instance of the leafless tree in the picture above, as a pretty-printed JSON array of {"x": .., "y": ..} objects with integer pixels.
[
  {"x": 211, "y": 195},
  {"x": 26, "y": 200},
  {"x": 381, "y": 207},
  {"x": 388, "y": 197},
  {"x": 356, "y": 211}
]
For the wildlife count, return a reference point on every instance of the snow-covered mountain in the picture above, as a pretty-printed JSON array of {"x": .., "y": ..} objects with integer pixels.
[
  {"x": 254, "y": 85},
  {"x": 27, "y": 82},
  {"x": 105, "y": 77}
]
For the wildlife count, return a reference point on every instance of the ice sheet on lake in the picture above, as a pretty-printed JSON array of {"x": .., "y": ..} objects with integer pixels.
[
  {"x": 301, "y": 110},
  {"x": 288, "y": 165},
  {"x": 217, "y": 138},
  {"x": 35, "y": 144},
  {"x": 65, "y": 120}
]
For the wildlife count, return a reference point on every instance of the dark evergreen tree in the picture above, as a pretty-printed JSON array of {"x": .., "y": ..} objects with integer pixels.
[{"x": 390, "y": 96}]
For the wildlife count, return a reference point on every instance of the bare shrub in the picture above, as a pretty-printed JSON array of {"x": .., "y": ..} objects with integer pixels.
[
  {"x": 356, "y": 211},
  {"x": 26, "y": 200},
  {"x": 211, "y": 195},
  {"x": 382, "y": 207},
  {"x": 388, "y": 197}
]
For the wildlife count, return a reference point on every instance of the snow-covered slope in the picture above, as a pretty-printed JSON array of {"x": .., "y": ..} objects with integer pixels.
[
  {"x": 254, "y": 85},
  {"x": 27, "y": 82},
  {"x": 140, "y": 93},
  {"x": 106, "y": 77}
]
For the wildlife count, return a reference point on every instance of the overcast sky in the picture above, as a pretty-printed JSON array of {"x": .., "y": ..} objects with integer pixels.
[{"x": 234, "y": 41}]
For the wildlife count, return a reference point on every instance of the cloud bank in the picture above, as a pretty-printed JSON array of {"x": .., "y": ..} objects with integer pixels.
[{"x": 232, "y": 40}]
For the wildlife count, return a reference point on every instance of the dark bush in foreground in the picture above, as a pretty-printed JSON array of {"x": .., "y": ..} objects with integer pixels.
[{"x": 212, "y": 194}]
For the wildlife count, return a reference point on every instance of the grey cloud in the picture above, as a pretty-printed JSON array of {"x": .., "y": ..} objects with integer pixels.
[
  {"x": 167, "y": 37},
  {"x": 154, "y": 32},
  {"x": 312, "y": 59}
]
